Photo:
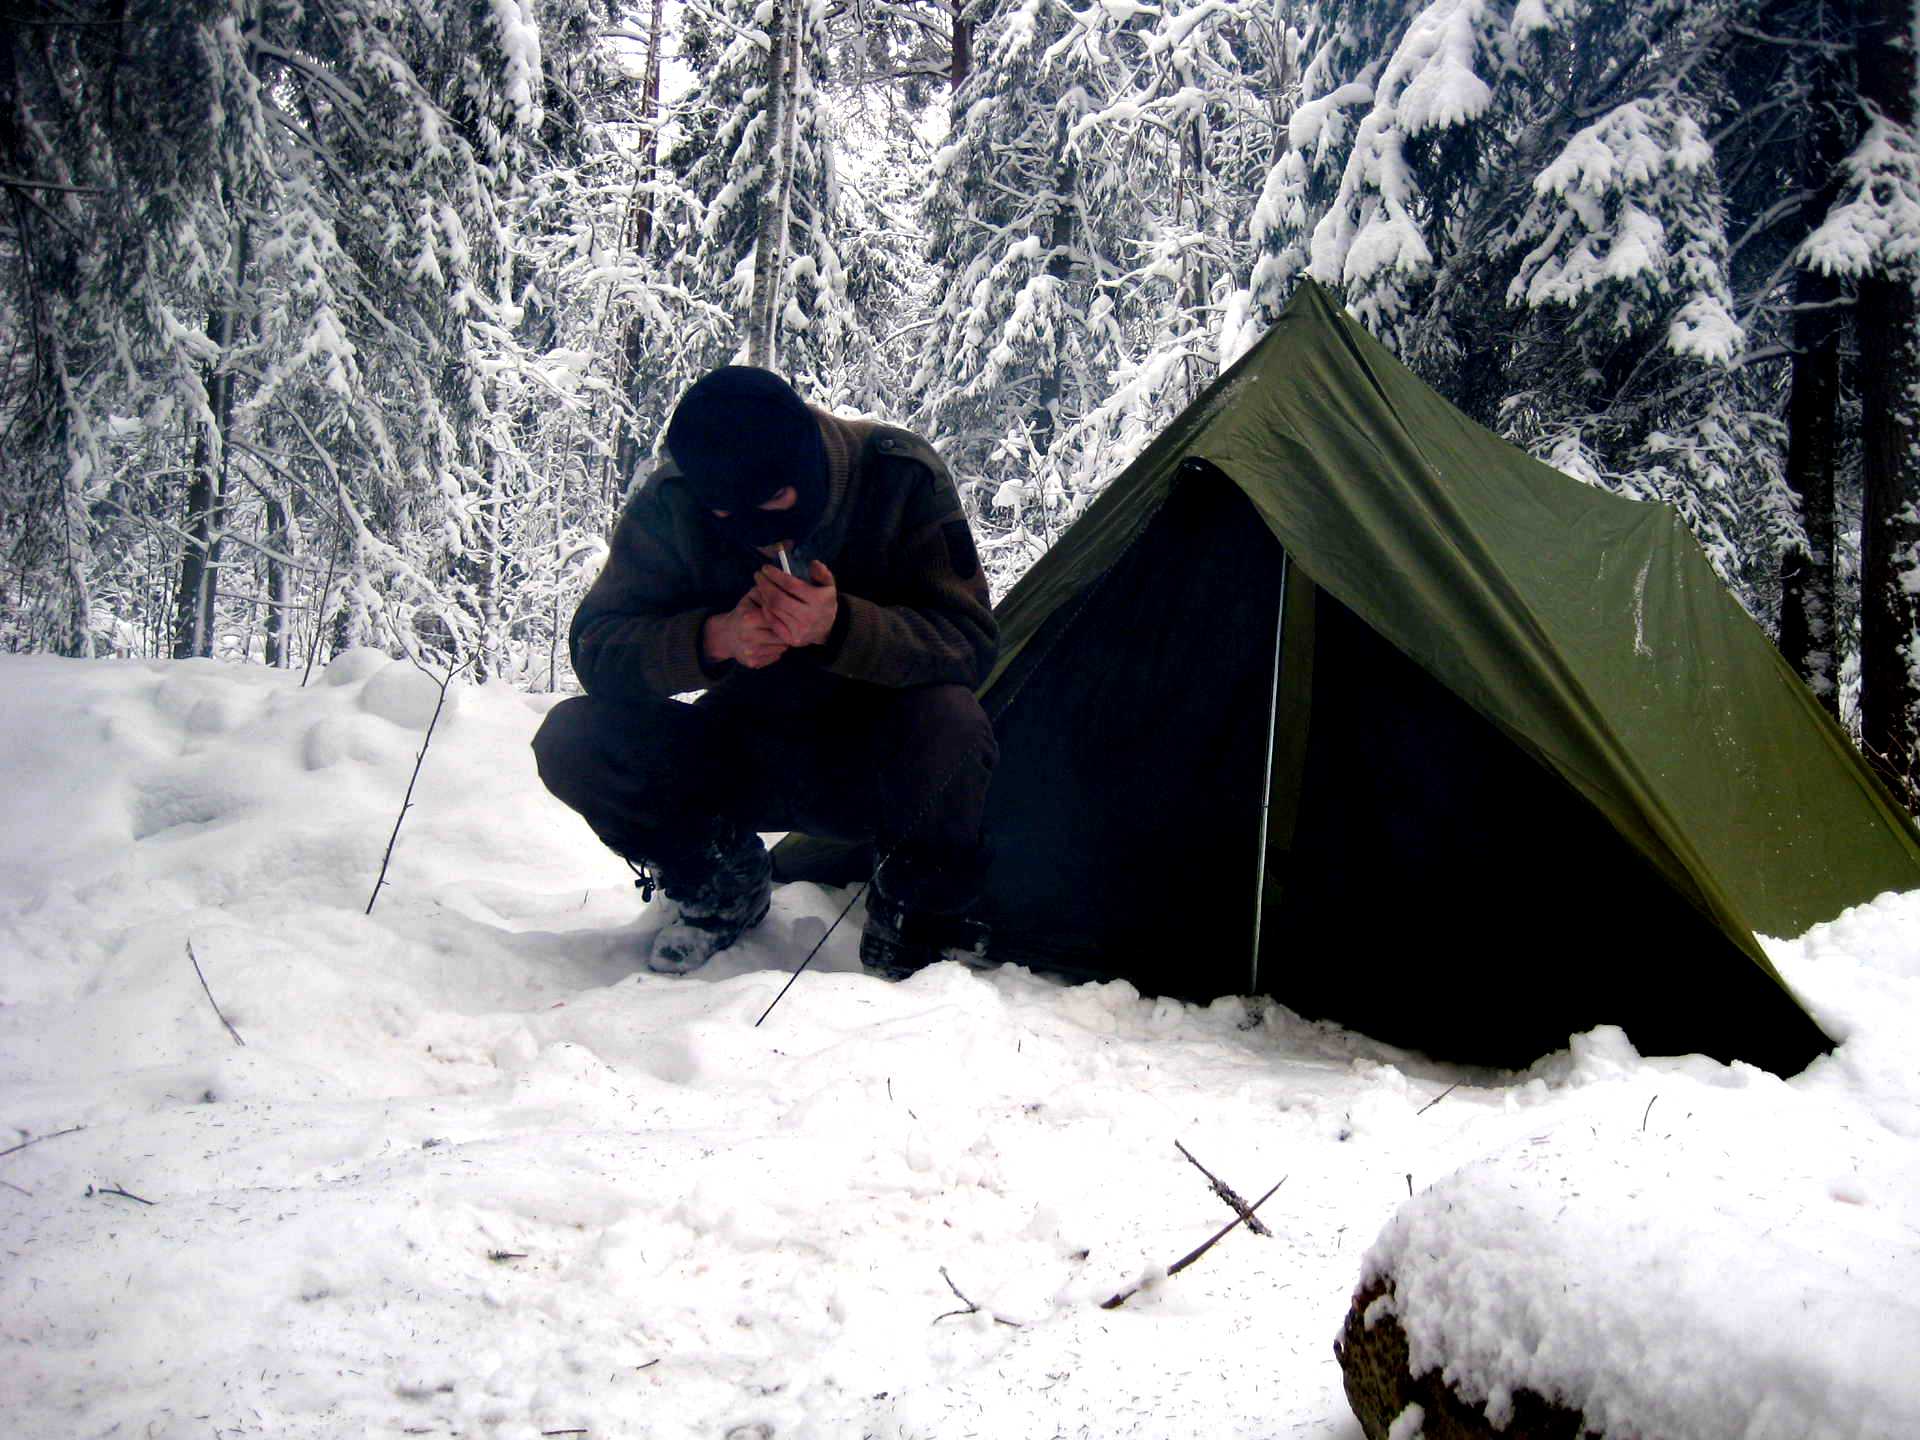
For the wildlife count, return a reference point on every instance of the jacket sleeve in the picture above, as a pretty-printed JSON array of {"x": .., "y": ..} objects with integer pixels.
[
  {"x": 934, "y": 623},
  {"x": 636, "y": 634}
]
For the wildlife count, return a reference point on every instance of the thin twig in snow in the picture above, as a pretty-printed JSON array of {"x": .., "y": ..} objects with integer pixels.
[
  {"x": 1227, "y": 1193},
  {"x": 852, "y": 900},
  {"x": 114, "y": 1190},
  {"x": 406, "y": 802},
  {"x": 972, "y": 1309},
  {"x": 1436, "y": 1099},
  {"x": 210, "y": 1000},
  {"x": 55, "y": 1135},
  {"x": 1116, "y": 1301},
  {"x": 1645, "y": 1113}
]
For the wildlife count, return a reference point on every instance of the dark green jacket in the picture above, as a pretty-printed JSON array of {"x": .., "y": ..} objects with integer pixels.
[{"x": 914, "y": 607}]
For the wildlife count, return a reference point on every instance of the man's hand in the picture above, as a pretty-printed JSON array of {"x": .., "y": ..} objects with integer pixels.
[
  {"x": 744, "y": 634},
  {"x": 801, "y": 613}
]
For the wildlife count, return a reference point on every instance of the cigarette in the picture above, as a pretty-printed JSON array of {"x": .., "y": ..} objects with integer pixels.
[{"x": 784, "y": 564}]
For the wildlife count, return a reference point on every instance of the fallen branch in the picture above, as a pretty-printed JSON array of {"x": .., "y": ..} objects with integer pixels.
[
  {"x": 210, "y": 1000},
  {"x": 1436, "y": 1100},
  {"x": 1227, "y": 1193},
  {"x": 972, "y": 1309},
  {"x": 55, "y": 1135},
  {"x": 93, "y": 1191},
  {"x": 1116, "y": 1301},
  {"x": 406, "y": 802}
]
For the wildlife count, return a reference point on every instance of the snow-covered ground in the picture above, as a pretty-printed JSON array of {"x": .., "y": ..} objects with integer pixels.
[{"x": 472, "y": 1173}]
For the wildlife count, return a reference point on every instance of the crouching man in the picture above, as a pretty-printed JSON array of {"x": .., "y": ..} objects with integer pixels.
[{"x": 816, "y": 579}]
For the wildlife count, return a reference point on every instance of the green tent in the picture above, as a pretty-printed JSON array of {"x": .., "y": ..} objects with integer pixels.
[{"x": 1334, "y": 695}]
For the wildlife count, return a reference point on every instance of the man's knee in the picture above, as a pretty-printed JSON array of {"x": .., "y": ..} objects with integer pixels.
[
  {"x": 947, "y": 720},
  {"x": 563, "y": 745},
  {"x": 587, "y": 749}
]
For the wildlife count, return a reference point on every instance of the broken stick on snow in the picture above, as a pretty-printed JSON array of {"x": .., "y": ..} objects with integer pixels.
[
  {"x": 1116, "y": 1301},
  {"x": 210, "y": 1000},
  {"x": 1227, "y": 1193},
  {"x": 972, "y": 1309}
]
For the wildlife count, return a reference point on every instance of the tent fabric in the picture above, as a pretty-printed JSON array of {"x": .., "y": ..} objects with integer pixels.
[
  {"x": 1453, "y": 609},
  {"x": 1589, "y": 627}
]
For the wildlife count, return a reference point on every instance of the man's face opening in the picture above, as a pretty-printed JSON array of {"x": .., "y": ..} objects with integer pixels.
[{"x": 785, "y": 498}]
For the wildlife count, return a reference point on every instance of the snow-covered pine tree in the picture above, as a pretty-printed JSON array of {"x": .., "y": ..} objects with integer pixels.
[
  {"x": 1787, "y": 128},
  {"x": 1872, "y": 237},
  {"x": 1030, "y": 214},
  {"x": 266, "y": 279},
  {"x": 728, "y": 147},
  {"x": 881, "y": 169},
  {"x": 1523, "y": 198},
  {"x": 586, "y": 293},
  {"x": 111, "y": 249},
  {"x": 1201, "y": 123}
]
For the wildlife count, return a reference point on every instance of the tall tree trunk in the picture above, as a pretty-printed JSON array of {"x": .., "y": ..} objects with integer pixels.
[
  {"x": 1807, "y": 587},
  {"x": 279, "y": 584},
  {"x": 78, "y": 639},
  {"x": 200, "y": 561},
  {"x": 770, "y": 244},
  {"x": 962, "y": 65},
  {"x": 639, "y": 238},
  {"x": 492, "y": 643},
  {"x": 1196, "y": 279},
  {"x": 1045, "y": 425},
  {"x": 1890, "y": 445}
]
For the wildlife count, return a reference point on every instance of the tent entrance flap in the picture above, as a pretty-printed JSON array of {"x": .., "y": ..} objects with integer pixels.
[
  {"x": 1448, "y": 892},
  {"x": 1123, "y": 812}
]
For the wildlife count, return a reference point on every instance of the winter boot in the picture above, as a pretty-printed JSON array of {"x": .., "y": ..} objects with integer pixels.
[
  {"x": 901, "y": 939},
  {"x": 721, "y": 891}
]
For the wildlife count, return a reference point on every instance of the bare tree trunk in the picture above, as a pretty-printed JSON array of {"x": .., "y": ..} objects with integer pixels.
[
  {"x": 1890, "y": 446},
  {"x": 1196, "y": 279},
  {"x": 1045, "y": 425},
  {"x": 962, "y": 65},
  {"x": 1807, "y": 587},
  {"x": 206, "y": 492},
  {"x": 638, "y": 237},
  {"x": 280, "y": 643},
  {"x": 1808, "y": 584},
  {"x": 770, "y": 244},
  {"x": 78, "y": 640},
  {"x": 492, "y": 642}
]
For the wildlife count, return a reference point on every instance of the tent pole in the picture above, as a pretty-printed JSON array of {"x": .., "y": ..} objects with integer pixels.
[{"x": 1266, "y": 786}]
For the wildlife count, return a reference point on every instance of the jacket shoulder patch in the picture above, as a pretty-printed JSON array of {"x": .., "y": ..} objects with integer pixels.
[{"x": 960, "y": 552}]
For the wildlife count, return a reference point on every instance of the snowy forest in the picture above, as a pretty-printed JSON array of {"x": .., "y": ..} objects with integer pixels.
[{"x": 350, "y": 323}]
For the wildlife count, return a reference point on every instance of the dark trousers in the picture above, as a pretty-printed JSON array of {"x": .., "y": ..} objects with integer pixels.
[{"x": 906, "y": 769}]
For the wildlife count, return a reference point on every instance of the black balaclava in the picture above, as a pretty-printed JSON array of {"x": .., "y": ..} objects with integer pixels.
[{"x": 740, "y": 435}]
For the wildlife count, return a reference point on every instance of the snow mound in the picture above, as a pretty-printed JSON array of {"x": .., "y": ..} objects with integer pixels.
[{"x": 1703, "y": 1279}]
